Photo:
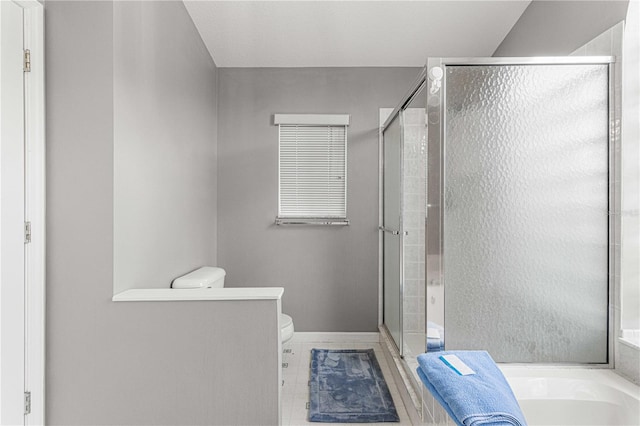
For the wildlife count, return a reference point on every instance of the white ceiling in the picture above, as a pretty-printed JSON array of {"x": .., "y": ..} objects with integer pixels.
[{"x": 332, "y": 33}]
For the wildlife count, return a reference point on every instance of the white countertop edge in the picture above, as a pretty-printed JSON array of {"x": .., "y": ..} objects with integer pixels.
[{"x": 169, "y": 294}]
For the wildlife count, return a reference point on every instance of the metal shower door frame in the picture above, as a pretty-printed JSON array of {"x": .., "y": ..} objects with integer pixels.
[
  {"x": 436, "y": 154},
  {"x": 397, "y": 113}
]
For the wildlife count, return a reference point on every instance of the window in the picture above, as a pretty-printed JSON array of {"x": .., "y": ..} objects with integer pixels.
[{"x": 313, "y": 169}]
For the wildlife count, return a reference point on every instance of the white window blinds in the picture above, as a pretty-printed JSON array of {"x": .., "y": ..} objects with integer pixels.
[{"x": 313, "y": 172}]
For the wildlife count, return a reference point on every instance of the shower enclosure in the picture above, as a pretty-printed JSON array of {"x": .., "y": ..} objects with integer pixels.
[
  {"x": 517, "y": 193},
  {"x": 403, "y": 149}
]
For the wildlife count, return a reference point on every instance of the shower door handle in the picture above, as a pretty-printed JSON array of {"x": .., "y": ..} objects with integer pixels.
[{"x": 391, "y": 231}]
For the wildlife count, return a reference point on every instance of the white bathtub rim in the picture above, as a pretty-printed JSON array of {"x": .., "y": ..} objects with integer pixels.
[
  {"x": 633, "y": 344},
  {"x": 604, "y": 380}
]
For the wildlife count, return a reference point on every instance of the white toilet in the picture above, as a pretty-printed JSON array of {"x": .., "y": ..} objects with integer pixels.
[{"x": 212, "y": 277}]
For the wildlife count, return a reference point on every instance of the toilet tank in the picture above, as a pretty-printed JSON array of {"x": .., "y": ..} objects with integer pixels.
[{"x": 207, "y": 276}]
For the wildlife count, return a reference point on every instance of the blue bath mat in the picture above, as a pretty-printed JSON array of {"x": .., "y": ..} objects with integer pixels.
[{"x": 347, "y": 386}]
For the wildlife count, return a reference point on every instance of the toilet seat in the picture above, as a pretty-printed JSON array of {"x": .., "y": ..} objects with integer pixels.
[{"x": 286, "y": 327}]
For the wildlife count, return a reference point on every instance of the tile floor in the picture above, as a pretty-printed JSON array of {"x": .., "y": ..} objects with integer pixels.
[{"x": 296, "y": 357}]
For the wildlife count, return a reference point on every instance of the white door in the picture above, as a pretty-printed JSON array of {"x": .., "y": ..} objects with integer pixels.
[{"x": 12, "y": 215}]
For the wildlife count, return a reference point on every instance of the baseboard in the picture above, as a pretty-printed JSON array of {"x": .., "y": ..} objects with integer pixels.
[{"x": 335, "y": 337}]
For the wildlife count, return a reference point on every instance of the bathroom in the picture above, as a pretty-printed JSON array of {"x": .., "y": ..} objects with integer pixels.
[{"x": 137, "y": 110}]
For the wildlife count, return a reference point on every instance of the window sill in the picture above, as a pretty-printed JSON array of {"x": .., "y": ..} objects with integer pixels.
[{"x": 312, "y": 221}]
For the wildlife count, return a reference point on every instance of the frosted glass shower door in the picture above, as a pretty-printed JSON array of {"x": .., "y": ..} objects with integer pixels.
[
  {"x": 392, "y": 238},
  {"x": 524, "y": 213}
]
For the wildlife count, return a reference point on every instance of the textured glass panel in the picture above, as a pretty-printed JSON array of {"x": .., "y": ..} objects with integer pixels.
[
  {"x": 391, "y": 220},
  {"x": 525, "y": 215}
]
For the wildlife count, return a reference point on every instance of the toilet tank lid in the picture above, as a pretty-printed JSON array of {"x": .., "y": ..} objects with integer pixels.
[{"x": 202, "y": 277}]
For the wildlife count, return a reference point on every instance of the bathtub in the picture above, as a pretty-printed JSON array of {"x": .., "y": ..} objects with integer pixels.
[{"x": 574, "y": 396}]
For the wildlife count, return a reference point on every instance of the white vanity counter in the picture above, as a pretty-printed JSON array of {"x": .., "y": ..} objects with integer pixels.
[{"x": 227, "y": 293}]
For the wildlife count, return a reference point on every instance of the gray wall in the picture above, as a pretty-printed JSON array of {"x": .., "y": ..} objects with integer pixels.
[
  {"x": 129, "y": 362},
  {"x": 165, "y": 127},
  {"x": 551, "y": 28},
  {"x": 330, "y": 274}
]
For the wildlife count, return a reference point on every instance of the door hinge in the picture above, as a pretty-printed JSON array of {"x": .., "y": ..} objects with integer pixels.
[
  {"x": 27, "y": 402},
  {"x": 27, "y": 232},
  {"x": 27, "y": 60}
]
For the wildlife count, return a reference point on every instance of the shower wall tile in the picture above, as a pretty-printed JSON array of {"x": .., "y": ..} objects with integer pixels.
[
  {"x": 410, "y": 289},
  {"x": 411, "y": 269},
  {"x": 412, "y": 168},
  {"x": 413, "y": 222},
  {"x": 630, "y": 270},
  {"x": 414, "y": 270},
  {"x": 414, "y": 188},
  {"x": 415, "y": 238},
  {"x": 434, "y": 414},
  {"x": 414, "y": 288},
  {"x": 414, "y": 323},
  {"x": 628, "y": 362},
  {"x": 414, "y": 204},
  {"x": 626, "y": 274},
  {"x": 414, "y": 305},
  {"x": 412, "y": 253},
  {"x": 412, "y": 149},
  {"x": 627, "y": 45}
]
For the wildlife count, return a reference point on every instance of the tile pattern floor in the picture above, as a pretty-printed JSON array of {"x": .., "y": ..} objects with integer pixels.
[{"x": 296, "y": 357}]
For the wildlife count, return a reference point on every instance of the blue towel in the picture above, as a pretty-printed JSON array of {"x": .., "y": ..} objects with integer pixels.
[
  {"x": 435, "y": 344},
  {"x": 484, "y": 398}
]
